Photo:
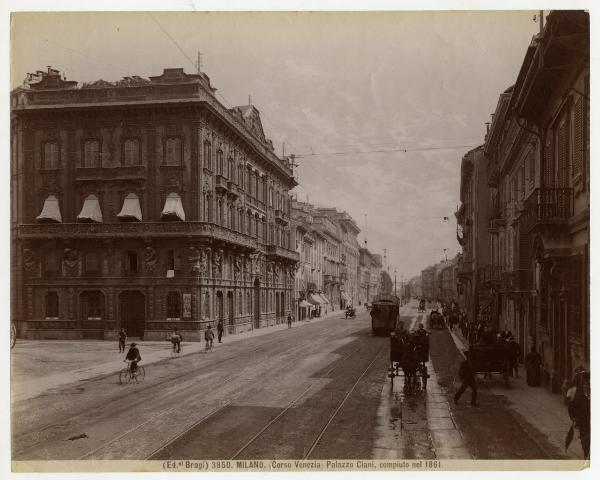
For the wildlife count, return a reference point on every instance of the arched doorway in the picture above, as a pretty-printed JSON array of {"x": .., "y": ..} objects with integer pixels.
[
  {"x": 230, "y": 311},
  {"x": 132, "y": 310},
  {"x": 257, "y": 303},
  {"x": 220, "y": 305},
  {"x": 277, "y": 307}
]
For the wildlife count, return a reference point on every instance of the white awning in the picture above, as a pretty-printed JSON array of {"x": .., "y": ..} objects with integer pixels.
[
  {"x": 173, "y": 208},
  {"x": 131, "y": 208},
  {"x": 305, "y": 304},
  {"x": 315, "y": 299},
  {"x": 324, "y": 298},
  {"x": 346, "y": 297},
  {"x": 91, "y": 211},
  {"x": 50, "y": 211}
]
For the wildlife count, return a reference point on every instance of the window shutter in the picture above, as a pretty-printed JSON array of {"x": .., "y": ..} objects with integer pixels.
[
  {"x": 548, "y": 164},
  {"x": 563, "y": 158},
  {"x": 578, "y": 149}
]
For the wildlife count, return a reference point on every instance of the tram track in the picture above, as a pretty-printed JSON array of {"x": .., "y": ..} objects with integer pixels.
[
  {"x": 196, "y": 430},
  {"x": 168, "y": 384}
]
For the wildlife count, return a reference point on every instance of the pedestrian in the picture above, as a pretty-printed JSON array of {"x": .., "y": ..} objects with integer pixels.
[
  {"x": 533, "y": 363},
  {"x": 209, "y": 336},
  {"x": 513, "y": 352},
  {"x": 579, "y": 409},
  {"x": 220, "y": 330},
  {"x": 122, "y": 340},
  {"x": 289, "y": 320},
  {"x": 466, "y": 374},
  {"x": 176, "y": 339}
]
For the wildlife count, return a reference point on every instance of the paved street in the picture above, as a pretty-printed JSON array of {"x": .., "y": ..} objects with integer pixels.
[{"x": 319, "y": 391}]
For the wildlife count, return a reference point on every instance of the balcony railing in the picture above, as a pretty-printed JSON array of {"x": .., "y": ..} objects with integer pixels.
[
  {"x": 277, "y": 251},
  {"x": 221, "y": 184},
  {"x": 280, "y": 217},
  {"x": 517, "y": 280},
  {"x": 136, "y": 230},
  {"x": 489, "y": 274},
  {"x": 548, "y": 206}
]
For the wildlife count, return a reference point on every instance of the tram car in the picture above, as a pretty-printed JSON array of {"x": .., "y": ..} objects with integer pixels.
[{"x": 385, "y": 312}]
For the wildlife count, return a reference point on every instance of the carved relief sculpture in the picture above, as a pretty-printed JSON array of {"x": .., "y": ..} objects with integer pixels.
[
  {"x": 150, "y": 260},
  {"x": 217, "y": 263},
  {"x": 30, "y": 260},
  {"x": 194, "y": 261},
  {"x": 70, "y": 261},
  {"x": 203, "y": 263},
  {"x": 237, "y": 267}
]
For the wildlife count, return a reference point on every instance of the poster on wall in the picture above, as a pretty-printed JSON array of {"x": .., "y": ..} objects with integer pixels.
[{"x": 187, "y": 305}]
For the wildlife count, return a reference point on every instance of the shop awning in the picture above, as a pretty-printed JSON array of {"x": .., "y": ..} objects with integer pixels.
[
  {"x": 304, "y": 304},
  {"x": 90, "y": 211},
  {"x": 324, "y": 299},
  {"x": 315, "y": 299},
  {"x": 173, "y": 209},
  {"x": 50, "y": 211},
  {"x": 346, "y": 297},
  {"x": 131, "y": 208}
]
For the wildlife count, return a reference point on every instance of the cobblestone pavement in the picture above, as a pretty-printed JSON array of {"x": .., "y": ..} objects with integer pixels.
[{"x": 320, "y": 391}]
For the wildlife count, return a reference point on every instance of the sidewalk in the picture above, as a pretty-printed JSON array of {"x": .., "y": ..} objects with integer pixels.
[
  {"x": 539, "y": 407},
  {"x": 38, "y": 366}
]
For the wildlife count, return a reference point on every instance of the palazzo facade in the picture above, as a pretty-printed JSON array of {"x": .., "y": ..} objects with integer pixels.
[{"x": 144, "y": 204}]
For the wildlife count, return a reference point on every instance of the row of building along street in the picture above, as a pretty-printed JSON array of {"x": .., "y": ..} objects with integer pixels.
[{"x": 523, "y": 220}]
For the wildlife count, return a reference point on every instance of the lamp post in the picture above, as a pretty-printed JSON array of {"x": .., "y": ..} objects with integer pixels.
[{"x": 395, "y": 282}]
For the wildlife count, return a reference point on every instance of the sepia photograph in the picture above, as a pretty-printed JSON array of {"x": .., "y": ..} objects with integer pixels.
[{"x": 278, "y": 241}]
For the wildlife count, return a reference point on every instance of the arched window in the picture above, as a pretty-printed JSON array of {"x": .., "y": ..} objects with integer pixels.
[
  {"x": 51, "y": 155},
  {"x": 51, "y": 302},
  {"x": 131, "y": 152},
  {"x": 207, "y": 154},
  {"x": 91, "y": 153},
  {"x": 173, "y": 306},
  {"x": 92, "y": 305},
  {"x": 231, "y": 218},
  {"x": 240, "y": 179},
  {"x": 249, "y": 182},
  {"x": 230, "y": 169},
  {"x": 220, "y": 162},
  {"x": 249, "y": 224},
  {"x": 257, "y": 185},
  {"x": 219, "y": 212}
]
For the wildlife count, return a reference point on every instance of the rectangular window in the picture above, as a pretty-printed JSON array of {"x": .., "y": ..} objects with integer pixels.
[
  {"x": 131, "y": 152},
  {"x": 171, "y": 260},
  {"x": 578, "y": 138},
  {"x": 91, "y": 153},
  {"x": 51, "y": 305},
  {"x": 173, "y": 306},
  {"x": 173, "y": 151},
  {"x": 92, "y": 262},
  {"x": 51, "y": 155},
  {"x": 132, "y": 263}
]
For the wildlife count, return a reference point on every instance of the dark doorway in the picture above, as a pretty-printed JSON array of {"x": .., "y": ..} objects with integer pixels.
[
  {"x": 219, "y": 305},
  {"x": 230, "y": 307},
  {"x": 256, "y": 303},
  {"x": 133, "y": 313}
]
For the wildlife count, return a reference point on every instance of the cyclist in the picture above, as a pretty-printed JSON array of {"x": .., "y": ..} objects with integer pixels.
[
  {"x": 209, "y": 335},
  {"x": 176, "y": 339},
  {"x": 133, "y": 355}
]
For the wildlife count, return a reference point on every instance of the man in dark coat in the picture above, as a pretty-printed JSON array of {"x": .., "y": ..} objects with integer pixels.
[
  {"x": 466, "y": 374},
  {"x": 220, "y": 330},
  {"x": 533, "y": 362},
  {"x": 579, "y": 408},
  {"x": 133, "y": 355}
]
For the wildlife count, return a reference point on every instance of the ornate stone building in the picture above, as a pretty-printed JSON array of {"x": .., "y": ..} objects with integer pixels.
[{"x": 144, "y": 204}]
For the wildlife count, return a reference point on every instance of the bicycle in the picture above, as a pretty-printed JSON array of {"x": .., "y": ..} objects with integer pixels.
[
  {"x": 126, "y": 376},
  {"x": 208, "y": 347}
]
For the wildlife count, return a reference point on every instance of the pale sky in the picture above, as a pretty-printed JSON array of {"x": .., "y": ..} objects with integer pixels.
[{"x": 325, "y": 83}]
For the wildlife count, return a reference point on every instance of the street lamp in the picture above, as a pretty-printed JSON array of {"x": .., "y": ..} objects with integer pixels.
[{"x": 395, "y": 282}]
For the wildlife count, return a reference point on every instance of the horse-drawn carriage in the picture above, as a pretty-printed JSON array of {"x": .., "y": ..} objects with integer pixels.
[
  {"x": 490, "y": 359},
  {"x": 410, "y": 352},
  {"x": 436, "y": 320}
]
